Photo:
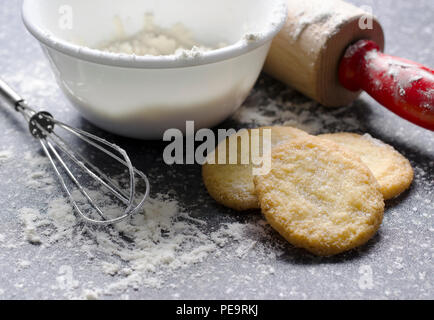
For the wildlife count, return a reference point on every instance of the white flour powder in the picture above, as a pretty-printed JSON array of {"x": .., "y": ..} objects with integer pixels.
[
  {"x": 144, "y": 252},
  {"x": 166, "y": 241},
  {"x": 75, "y": 264},
  {"x": 398, "y": 72},
  {"x": 157, "y": 41},
  {"x": 318, "y": 12},
  {"x": 5, "y": 155}
]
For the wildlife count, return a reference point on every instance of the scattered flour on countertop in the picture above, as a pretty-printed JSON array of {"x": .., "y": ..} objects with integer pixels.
[
  {"x": 160, "y": 241},
  {"x": 36, "y": 82},
  {"x": 5, "y": 155},
  {"x": 23, "y": 264},
  {"x": 31, "y": 221},
  {"x": 167, "y": 241},
  {"x": 144, "y": 252},
  {"x": 91, "y": 294},
  {"x": 290, "y": 109}
]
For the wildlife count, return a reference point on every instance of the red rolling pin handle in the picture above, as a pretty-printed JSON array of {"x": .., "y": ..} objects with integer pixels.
[{"x": 404, "y": 87}]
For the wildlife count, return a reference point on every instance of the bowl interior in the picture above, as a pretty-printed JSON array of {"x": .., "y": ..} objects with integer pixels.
[{"x": 90, "y": 23}]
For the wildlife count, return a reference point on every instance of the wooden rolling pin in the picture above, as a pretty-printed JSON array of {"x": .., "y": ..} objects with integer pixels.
[{"x": 331, "y": 50}]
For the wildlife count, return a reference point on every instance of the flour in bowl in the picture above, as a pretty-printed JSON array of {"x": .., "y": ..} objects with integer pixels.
[{"x": 157, "y": 41}]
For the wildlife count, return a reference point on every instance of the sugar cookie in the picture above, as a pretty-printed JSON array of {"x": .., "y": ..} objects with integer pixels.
[
  {"x": 320, "y": 197},
  {"x": 392, "y": 170},
  {"x": 232, "y": 185}
]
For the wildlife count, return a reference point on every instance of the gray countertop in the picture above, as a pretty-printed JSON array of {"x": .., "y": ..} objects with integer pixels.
[{"x": 396, "y": 264}]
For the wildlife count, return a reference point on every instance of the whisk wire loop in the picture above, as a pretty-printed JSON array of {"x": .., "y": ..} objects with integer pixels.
[
  {"x": 90, "y": 169},
  {"x": 42, "y": 126},
  {"x": 47, "y": 150}
]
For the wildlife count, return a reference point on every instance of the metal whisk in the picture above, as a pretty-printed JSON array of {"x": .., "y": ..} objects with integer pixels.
[{"x": 42, "y": 126}]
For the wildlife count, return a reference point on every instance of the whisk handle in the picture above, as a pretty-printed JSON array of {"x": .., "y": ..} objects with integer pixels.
[{"x": 9, "y": 94}]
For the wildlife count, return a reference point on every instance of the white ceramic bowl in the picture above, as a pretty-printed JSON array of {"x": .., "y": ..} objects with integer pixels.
[{"x": 141, "y": 97}]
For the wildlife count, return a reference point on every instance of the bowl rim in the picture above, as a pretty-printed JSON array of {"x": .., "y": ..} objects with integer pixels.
[{"x": 239, "y": 48}]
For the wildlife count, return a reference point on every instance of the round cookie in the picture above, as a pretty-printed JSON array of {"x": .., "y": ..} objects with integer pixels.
[
  {"x": 232, "y": 184},
  {"x": 392, "y": 170},
  {"x": 320, "y": 197}
]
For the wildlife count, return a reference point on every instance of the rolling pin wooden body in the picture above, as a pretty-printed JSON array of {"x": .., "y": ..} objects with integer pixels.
[{"x": 307, "y": 52}]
